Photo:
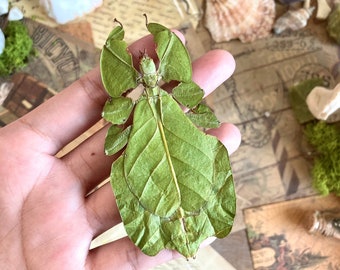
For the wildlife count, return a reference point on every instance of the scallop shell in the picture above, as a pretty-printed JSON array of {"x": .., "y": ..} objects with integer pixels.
[
  {"x": 245, "y": 20},
  {"x": 293, "y": 20}
]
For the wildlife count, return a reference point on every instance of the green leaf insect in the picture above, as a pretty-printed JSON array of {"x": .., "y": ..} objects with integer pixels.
[{"x": 173, "y": 183}]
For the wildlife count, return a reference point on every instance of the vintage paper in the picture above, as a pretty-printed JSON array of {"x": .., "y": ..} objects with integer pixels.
[
  {"x": 279, "y": 235},
  {"x": 273, "y": 162},
  {"x": 172, "y": 14}
]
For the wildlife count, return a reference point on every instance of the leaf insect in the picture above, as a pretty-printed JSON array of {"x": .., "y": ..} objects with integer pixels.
[{"x": 173, "y": 183}]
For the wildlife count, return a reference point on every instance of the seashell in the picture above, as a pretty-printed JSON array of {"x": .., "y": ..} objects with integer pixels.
[
  {"x": 327, "y": 223},
  {"x": 322, "y": 102},
  {"x": 5, "y": 88},
  {"x": 323, "y": 10},
  {"x": 293, "y": 20},
  {"x": 245, "y": 20}
]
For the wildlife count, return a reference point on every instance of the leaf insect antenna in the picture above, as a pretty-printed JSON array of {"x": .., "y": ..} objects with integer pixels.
[
  {"x": 146, "y": 19},
  {"x": 116, "y": 21}
]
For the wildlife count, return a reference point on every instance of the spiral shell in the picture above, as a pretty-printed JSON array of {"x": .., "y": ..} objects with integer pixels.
[
  {"x": 245, "y": 20},
  {"x": 293, "y": 20},
  {"x": 326, "y": 223}
]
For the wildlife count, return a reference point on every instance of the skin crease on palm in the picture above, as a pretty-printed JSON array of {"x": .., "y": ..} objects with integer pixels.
[{"x": 47, "y": 219}]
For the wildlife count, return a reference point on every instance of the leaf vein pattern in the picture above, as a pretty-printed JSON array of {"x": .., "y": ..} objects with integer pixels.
[
  {"x": 118, "y": 57},
  {"x": 191, "y": 167},
  {"x": 137, "y": 157},
  {"x": 152, "y": 178},
  {"x": 189, "y": 142},
  {"x": 168, "y": 48}
]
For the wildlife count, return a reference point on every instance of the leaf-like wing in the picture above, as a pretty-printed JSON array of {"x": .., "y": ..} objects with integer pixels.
[
  {"x": 188, "y": 94},
  {"x": 174, "y": 59},
  {"x": 174, "y": 187},
  {"x": 115, "y": 59},
  {"x": 116, "y": 139},
  {"x": 203, "y": 116},
  {"x": 148, "y": 169},
  {"x": 117, "y": 110}
]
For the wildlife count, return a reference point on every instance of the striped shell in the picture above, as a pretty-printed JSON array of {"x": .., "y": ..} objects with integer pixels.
[
  {"x": 327, "y": 223},
  {"x": 245, "y": 20},
  {"x": 293, "y": 20}
]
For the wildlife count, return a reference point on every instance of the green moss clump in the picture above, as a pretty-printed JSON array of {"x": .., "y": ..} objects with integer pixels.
[
  {"x": 18, "y": 47},
  {"x": 333, "y": 24},
  {"x": 325, "y": 138}
]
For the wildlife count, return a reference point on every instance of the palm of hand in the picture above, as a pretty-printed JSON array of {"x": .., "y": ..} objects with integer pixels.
[{"x": 44, "y": 206}]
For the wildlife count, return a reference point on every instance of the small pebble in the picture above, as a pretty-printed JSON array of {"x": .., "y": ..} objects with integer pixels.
[
  {"x": 15, "y": 14},
  {"x": 267, "y": 114}
]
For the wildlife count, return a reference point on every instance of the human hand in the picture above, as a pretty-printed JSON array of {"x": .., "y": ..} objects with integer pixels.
[{"x": 47, "y": 219}]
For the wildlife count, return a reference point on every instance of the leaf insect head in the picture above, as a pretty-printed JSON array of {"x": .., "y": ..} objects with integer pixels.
[{"x": 150, "y": 76}]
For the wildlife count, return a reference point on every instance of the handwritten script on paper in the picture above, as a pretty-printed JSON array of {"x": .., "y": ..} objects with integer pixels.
[{"x": 170, "y": 13}]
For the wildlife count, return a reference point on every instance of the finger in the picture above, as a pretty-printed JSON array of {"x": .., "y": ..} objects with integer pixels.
[
  {"x": 212, "y": 69},
  {"x": 72, "y": 111},
  {"x": 102, "y": 210},
  {"x": 229, "y": 135},
  {"x": 123, "y": 254}
]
